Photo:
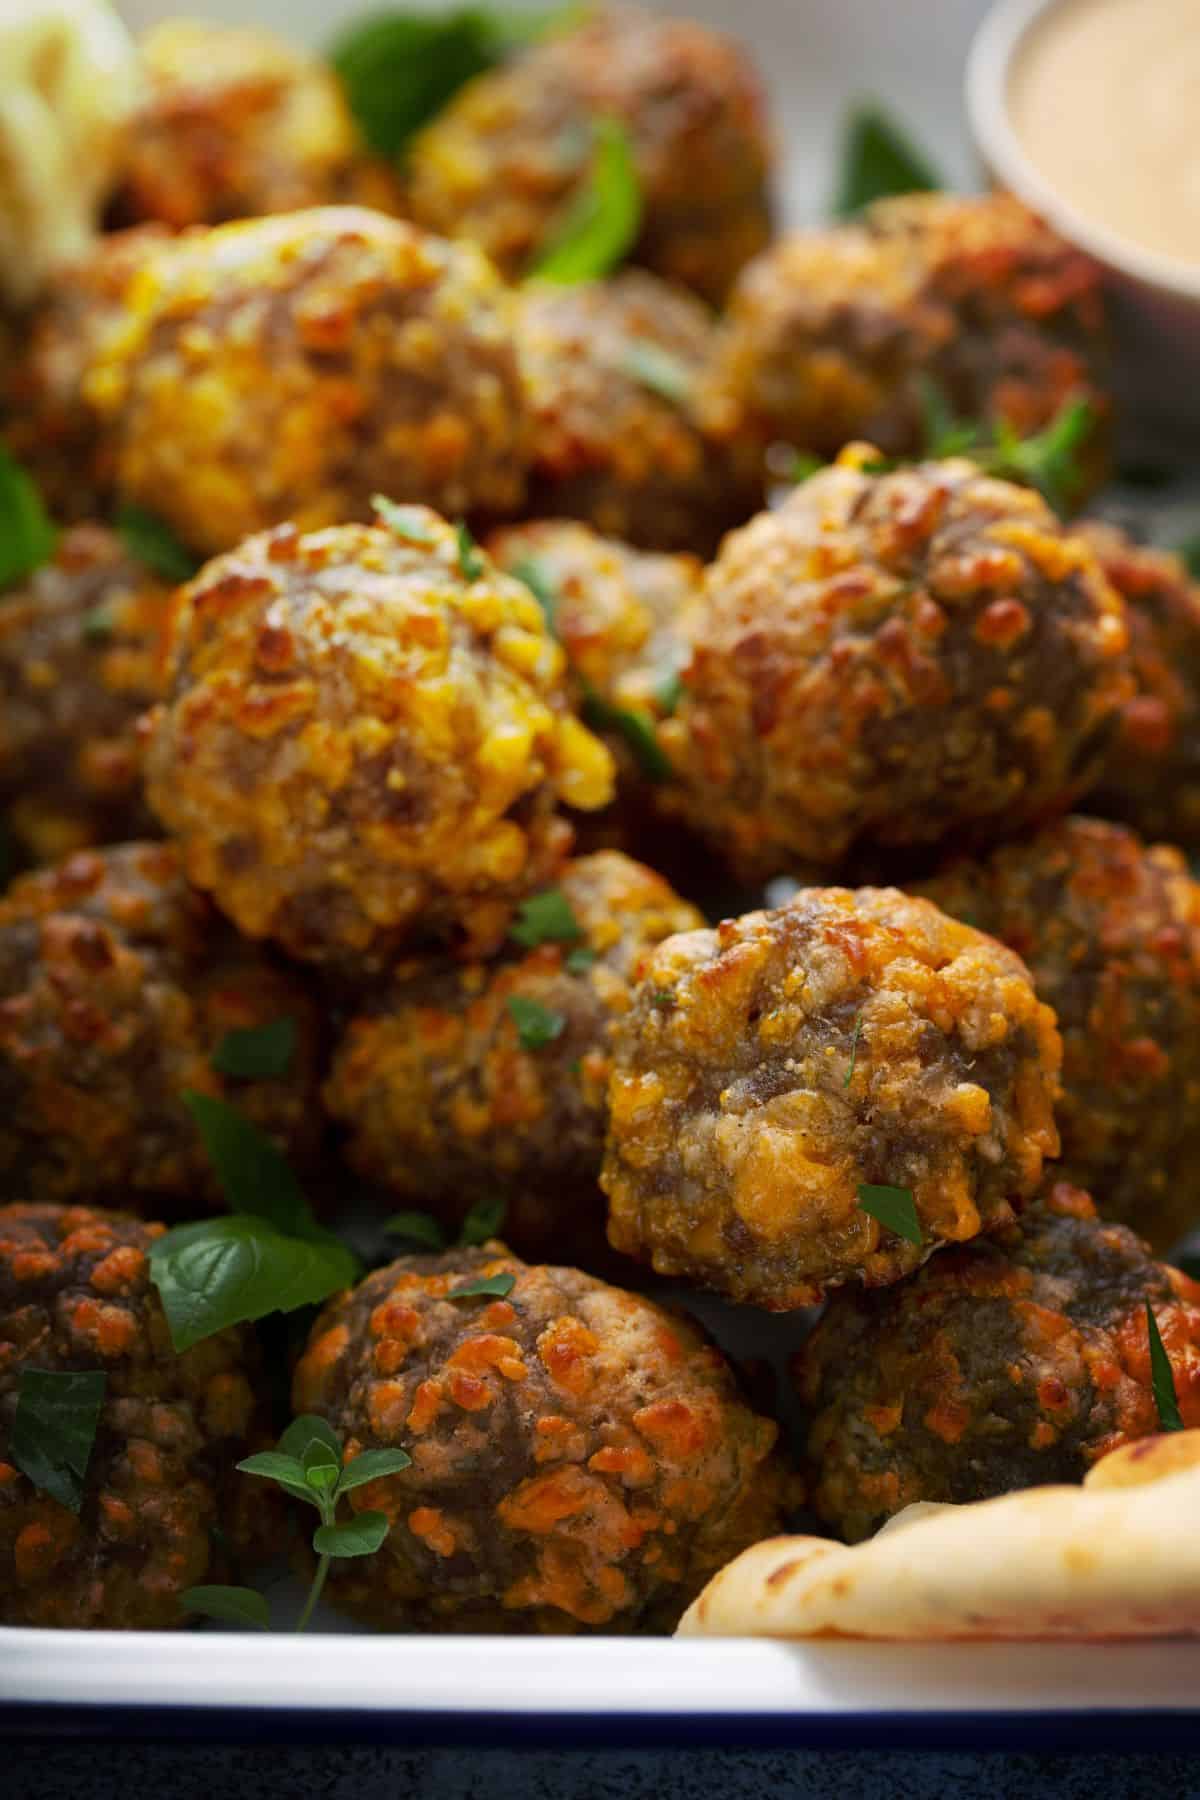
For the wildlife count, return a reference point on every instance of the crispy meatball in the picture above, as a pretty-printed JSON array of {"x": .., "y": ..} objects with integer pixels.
[
  {"x": 581, "y": 1458},
  {"x": 897, "y": 657},
  {"x": 289, "y": 368},
  {"x": 234, "y": 123},
  {"x": 364, "y": 736},
  {"x": 117, "y": 984},
  {"x": 75, "y": 1295},
  {"x": 451, "y": 1092},
  {"x": 50, "y": 424},
  {"x": 507, "y": 158},
  {"x": 1012, "y": 1362},
  {"x": 1110, "y": 931},
  {"x": 769, "y": 1068},
  {"x": 1152, "y": 777},
  {"x": 621, "y": 437},
  {"x": 835, "y": 334},
  {"x": 79, "y": 644}
]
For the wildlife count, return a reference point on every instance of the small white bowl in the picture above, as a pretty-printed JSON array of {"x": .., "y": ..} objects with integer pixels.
[{"x": 1154, "y": 300}]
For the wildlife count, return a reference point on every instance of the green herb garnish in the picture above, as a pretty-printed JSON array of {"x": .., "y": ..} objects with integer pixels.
[
  {"x": 408, "y": 522},
  {"x": 417, "y": 1228},
  {"x": 308, "y": 1464},
  {"x": 603, "y": 222},
  {"x": 99, "y": 625},
  {"x": 803, "y": 464},
  {"x": 536, "y": 1024},
  {"x": 152, "y": 541},
  {"x": 878, "y": 159},
  {"x": 54, "y": 1428},
  {"x": 545, "y": 918},
  {"x": 658, "y": 370},
  {"x": 854, "y": 1049},
  {"x": 470, "y": 557},
  {"x": 28, "y": 536},
  {"x": 1162, "y": 1377},
  {"x": 257, "y": 1052},
  {"x": 580, "y": 961},
  {"x": 493, "y": 1287},
  {"x": 668, "y": 693},
  {"x": 893, "y": 1207},
  {"x": 1047, "y": 460},
  {"x": 540, "y": 582},
  {"x": 484, "y": 1221},
  {"x": 663, "y": 998},
  {"x": 635, "y": 727}
]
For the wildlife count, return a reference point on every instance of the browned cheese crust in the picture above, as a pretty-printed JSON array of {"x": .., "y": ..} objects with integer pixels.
[
  {"x": 1110, "y": 931},
  {"x": 1009, "y": 1363},
  {"x": 444, "y": 1105},
  {"x": 289, "y": 368},
  {"x": 623, "y": 437},
  {"x": 79, "y": 664},
  {"x": 894, "y": 657},
  {"x": 236, "y": 123},
  {"x": 506, "y": 159},
  {"x": 362, "y": 742},
  {"x": 768, "y": 1068},
  {"x": 1152, "y": 778},
  {"x": 75, "y": 1294},
  {"x": 581, "y": 1458},
  {"x": 117, "y": 983},
  {"x": 832, "y": 334}
]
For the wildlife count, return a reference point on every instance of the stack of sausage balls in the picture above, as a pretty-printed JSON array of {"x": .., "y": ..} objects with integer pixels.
[{"x": 491, "y": 625}]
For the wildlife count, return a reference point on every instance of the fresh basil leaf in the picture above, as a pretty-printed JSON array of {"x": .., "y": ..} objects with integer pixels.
[
  {"x": 545, "y": 918},
  {"x": 854, "y": 1048},
  {"x": 407, "y": 522},
  {"x": 372, "y": 1465},
  {"x": 581, "y": 960},
  {"x": 1162, "y": 1377},
  {"x": 484, "y": 1221},
  {"x": 234, "y": 1269},
  {"x": 634, "y": 727},
  {"x": 470, "y": 559},
  {"x": 416, "y": 1228},
  {"x": 540, "y": 582},
  {"x": 537, "y": 1025},
  {"x": 27, "y": 534},
  {"x": 54, "y": 1429},
  {"x": 257, "y": 1052},
  {"x": 604, "y": 220},
  {"x": 152, "y": 541},
  {"x": 254, "y": 1175},
  {"x": 656, "y": 369},
  {"x": 877, "y": 160},
  {"x": 231, "y": 1605},
  {"x": 495, "y": 1287},
  {"x": 359, "y": 1536},
  {"x": 306, "y": 1429},
  {"x": 893, "y": 1207}
]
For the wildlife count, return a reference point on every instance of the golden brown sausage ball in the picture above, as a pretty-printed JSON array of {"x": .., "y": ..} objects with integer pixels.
[
  {"x": 290, "y": 368},
  {"x": 117, "y": 984},
  {"x": 365, "y": 735},
  {"x": 234, "y": 123},
  {"x": 1152, "y": 778},
  {"x": 615, "y": 372},
  {"x": 1008, "y": 1363},
  {"x": 834, "y": 334},
  {"x": 461, "y": 1081},
  {"x": 50, "y": 424},
  {"x": 506, "y": 159},
  {"x": 770, "y": 1068},
  {"x": 1110, "y": 931},
  {"x": 75, "y": 1295},
  {"x": 581, "y": 1458},
  {"x": 79, "y": 649},
  {"x": 893, "y": 659}
]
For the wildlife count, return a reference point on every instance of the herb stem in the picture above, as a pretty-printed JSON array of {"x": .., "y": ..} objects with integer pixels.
[{"x": 314, "y": 1592}]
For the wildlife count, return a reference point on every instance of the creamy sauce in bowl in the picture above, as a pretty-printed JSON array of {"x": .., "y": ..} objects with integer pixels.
[{"x": 1104, "y": 99}]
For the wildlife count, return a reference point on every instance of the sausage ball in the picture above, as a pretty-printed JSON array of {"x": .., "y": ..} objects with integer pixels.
[
  {"x": 836, "y": 334},
  {"x": 364, "y": 736},
  {"x": 896, "y": 657},
  {"x": 621, "y": 436},
  {"x": 118, "y": 984},
  {"x": 511, "y": 154},
  {"x": 1009, "y": 1363},
  {"x": 1152, "y": 778},
  {"x": 51, "y": 425},
  {"x": 79, "y": 645},
  {"x": 581, "y": 1458},
  {"x": 1110, "y": 931},
  {"x": 290, "y": 368},
  {"x": 75, "y": 1295},
  {"x": 234, "y": 122},
  {"x": 461, "y": 1081},
  {"x": 767, "y": 1070}
]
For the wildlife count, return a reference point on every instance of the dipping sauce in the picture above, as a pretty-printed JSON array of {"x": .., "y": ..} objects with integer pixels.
[{"x": 1104, "y": 97}]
